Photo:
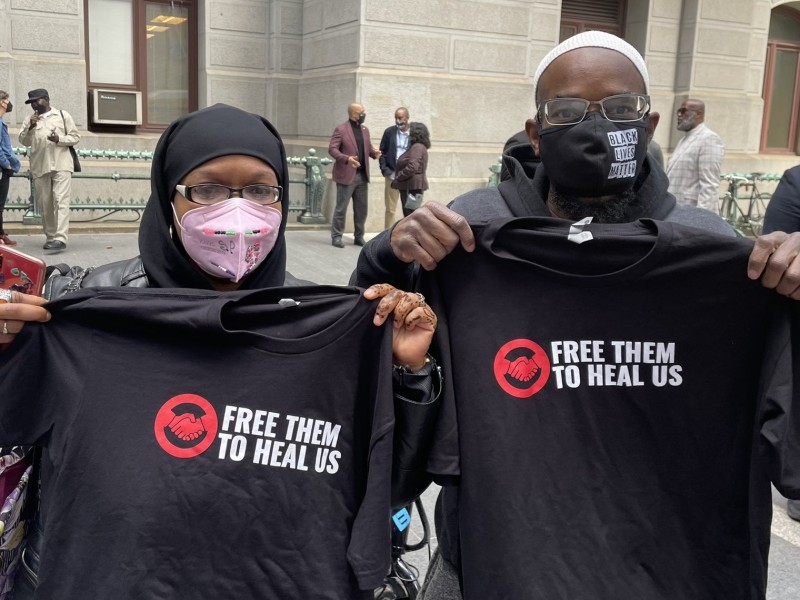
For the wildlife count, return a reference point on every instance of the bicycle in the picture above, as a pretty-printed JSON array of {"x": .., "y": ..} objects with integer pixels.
[
  {"x": 402, "y": 582},
  {"x": 747, "y": 222}
]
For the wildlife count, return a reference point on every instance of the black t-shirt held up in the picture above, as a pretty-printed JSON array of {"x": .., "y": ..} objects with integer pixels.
[
  {"x": 205, "y": 445},
  {"x": 616, "y": 411}
]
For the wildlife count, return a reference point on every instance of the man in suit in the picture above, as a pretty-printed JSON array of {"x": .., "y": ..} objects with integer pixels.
[
  {"x": 394, "y": 143},
  {"x": 350, "y": 147},
  {"x": 694, "y": 167}
]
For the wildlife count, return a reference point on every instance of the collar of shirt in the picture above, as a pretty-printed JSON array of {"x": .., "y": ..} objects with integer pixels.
[{"x": 402, "y": 140}]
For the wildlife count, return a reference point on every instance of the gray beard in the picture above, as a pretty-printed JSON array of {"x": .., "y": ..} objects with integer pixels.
[{"x": 616, "y": 209}]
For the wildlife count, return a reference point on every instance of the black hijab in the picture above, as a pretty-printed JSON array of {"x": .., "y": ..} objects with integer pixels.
[{"x": 187, "y": 143}]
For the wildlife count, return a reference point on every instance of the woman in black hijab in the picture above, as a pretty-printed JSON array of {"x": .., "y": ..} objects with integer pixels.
[
  {"x": 197, "y": 157},
  {"x": 189, "y": 142}
]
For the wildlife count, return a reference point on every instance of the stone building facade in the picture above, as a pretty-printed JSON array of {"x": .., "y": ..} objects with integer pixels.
[{"x": 463, "y": 67}]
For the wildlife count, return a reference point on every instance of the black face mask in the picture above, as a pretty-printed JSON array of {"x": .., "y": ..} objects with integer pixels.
[
  {"x": 595, "y": 157},
  {"x": 10, "y": 107},
  {"x": 40, "y": 109},
  {"x": 361, "y": 118}
]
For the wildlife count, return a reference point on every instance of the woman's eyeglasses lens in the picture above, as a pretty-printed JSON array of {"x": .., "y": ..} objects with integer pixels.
[
  {"x": 622, "y": 108},
  {"x": 211, "y": 193}
]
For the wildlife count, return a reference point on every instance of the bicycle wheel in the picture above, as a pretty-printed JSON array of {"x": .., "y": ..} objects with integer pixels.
[{"x": 756, "y": 212}]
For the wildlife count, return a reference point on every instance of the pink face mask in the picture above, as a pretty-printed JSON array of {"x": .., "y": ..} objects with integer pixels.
[{"x": 231, "y": 238}]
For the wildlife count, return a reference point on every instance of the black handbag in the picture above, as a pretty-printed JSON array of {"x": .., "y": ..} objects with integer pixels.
[{"x": 76, "y": 164}]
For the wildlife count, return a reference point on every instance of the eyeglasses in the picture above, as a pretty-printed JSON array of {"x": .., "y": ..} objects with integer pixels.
[
  {"x": 622, "y": 108},
  {"x": 683, "y": 110},
  {"x": 211, "y": 193}
]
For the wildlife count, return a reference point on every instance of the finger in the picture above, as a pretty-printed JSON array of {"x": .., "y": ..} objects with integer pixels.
[
  {"x": 405, "y": 304},
  {"x": 427, "y": 235},
  {"x": 22, "y": 313},
  {"x": 20, "y": 298},
  {"x": 379, "y": 290},
  {"x": 458, "y": 224},
  {"x": 782, "y": 271},
  {"x": 763, "y": 249},
  {"x": 789, "y": 283},
  {"x": 9, "y": 330},
  {"x": 387, "y": 306},
  {"x": 759, "y": 257},
  {"x": 421, "y": 316}
]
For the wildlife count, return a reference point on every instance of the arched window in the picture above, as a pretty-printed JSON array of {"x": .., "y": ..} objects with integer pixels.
[{"x": 779, "y": 133}]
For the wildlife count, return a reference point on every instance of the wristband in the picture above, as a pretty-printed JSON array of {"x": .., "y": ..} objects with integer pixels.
[{"x": 429, "y": 360}]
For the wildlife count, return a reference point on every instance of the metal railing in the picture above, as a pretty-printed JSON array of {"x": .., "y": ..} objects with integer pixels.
[{"x": 130, "y": 209}]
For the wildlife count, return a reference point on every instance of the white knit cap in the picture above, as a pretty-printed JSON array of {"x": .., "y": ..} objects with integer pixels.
[{"x": 593, "y": 39}]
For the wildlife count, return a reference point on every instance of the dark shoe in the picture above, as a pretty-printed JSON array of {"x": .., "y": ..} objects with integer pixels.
[
  {"x": 54, "y": 245},
  {"x": 338, "y": 243},
  {"x": 359, "y": 242},
  {"x": 793, "y": 509},
  {"x": 6, "y": 241}
]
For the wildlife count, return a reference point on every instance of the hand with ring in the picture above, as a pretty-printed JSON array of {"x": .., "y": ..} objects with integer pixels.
[
  {"x": 16, "y": 309},
  {"x": 413, "y": 321}
]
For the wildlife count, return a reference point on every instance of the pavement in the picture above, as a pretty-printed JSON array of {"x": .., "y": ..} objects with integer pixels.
[{"x": 311, "y": 257}]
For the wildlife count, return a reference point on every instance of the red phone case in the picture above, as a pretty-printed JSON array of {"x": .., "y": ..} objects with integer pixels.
[{"x": 20, "y": 272}]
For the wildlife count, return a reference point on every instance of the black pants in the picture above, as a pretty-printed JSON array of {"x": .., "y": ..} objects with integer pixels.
[
  {"x": 4, "y": 183},
  {"x": 358, "y": 190}
]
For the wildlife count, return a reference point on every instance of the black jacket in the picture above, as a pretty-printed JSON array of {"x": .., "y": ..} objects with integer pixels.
[
  {"x": 388, "y": 148},
  {"x": 518, "y": 196},
  {"x": 783, "y": 210}
]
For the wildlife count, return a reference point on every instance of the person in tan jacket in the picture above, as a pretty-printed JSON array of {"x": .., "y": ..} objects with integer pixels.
[{"x": 50, "y": 132}]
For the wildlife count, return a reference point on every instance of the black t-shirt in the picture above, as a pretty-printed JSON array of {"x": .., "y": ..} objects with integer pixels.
[
  {"x": 207, "y": 446},
  {"x": 616, "y": 410}
]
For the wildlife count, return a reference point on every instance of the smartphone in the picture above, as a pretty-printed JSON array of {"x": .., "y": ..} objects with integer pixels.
[{"x": 20, "y": 272}]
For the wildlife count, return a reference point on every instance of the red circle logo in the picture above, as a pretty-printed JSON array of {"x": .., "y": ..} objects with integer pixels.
[
  {"x": 521, "y": 368},
  {"x": 186, "y": 426}
]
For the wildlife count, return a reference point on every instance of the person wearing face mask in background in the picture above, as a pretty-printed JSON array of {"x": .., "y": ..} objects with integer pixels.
[
  {"x": 591, "y": 93},
  {"x": 215, "y": 222},
  {"x": 9, "y": 164},
  {"x": 694, "y": 166},
  {"x": 50, "y": 132},
  {"x": 393, "y": 144},
  {"x": 350, "y": 148}
]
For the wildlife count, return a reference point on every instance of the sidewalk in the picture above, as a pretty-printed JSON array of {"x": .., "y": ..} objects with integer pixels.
[{"x": 310, "y": 254}]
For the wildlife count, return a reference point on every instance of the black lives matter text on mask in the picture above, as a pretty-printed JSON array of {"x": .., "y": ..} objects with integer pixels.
[
  {"x": 281, "y": 441},
  {"x": 600, "y": 363},
  {"x": 624, "y": 145}
]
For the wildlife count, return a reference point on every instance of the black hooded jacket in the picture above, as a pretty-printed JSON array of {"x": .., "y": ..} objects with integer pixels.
[{"x": 521, "y": 196}]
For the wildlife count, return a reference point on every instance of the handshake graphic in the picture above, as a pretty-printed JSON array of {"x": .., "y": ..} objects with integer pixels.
[
  {"x": 187, "y": 427},
  {"x": 521, "y": 368}
]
